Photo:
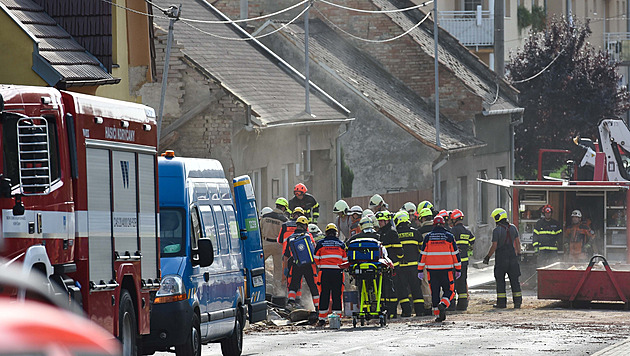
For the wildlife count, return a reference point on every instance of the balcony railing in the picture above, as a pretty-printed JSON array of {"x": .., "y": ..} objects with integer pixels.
[
  {"x": 471, "y": 28},
  {"x": 618, "y": 46}
]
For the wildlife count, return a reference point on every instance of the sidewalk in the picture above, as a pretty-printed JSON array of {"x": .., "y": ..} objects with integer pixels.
[{"x": 621, "y": 348}]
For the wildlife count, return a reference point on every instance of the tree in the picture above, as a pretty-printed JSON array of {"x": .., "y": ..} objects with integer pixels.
[{"x": 566, "y": 88}]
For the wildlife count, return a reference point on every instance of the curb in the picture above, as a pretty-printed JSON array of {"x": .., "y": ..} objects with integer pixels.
[{"x": 619, "y": 349}]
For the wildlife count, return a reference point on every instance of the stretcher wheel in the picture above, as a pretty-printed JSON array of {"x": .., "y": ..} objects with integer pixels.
[{"x": 354, "y": 321}]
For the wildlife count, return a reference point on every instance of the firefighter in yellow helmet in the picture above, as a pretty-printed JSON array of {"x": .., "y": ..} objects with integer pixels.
[
  {"x": 506, "y": 243},
  {"x": 409, "y": 284}
]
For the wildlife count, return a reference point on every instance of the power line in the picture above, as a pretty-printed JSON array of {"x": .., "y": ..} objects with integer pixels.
[
  {"x": 366, "y": 39},
  {"x": 134, "y": 11},
  {"x": 539, "y": 73},
  {"x": 245, "y": 20},
  {"x": 248, "y": 38},
  {"x": 156, "y": 6},
  {"x": 376, "y": 11}
]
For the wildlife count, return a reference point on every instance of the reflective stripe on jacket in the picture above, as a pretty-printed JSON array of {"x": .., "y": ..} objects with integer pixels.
[
  {"x": 330, "y": 253},
  {"x": 464, "y": 239},
  {"x": 411, "y": 242},
  {"x": 439, "y": 251}
]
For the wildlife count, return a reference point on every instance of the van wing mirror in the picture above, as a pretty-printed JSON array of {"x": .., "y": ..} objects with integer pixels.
[{"x": 206, "y": 252}]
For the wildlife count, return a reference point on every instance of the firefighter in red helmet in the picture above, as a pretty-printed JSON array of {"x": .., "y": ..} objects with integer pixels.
[{"x": 306, "y": 201}]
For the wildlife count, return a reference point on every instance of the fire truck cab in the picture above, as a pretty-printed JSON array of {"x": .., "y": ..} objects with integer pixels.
[{"x": 78, "y": 193}]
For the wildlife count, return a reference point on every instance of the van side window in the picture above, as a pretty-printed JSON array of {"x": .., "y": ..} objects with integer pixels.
[
  {"x": 209, "y": 226},
  {"x": 172, "y": 237},
  {"x": 222, "y": 228},
  {"x": 195, "y": 228},
  {"x": 233, "y": 225}
]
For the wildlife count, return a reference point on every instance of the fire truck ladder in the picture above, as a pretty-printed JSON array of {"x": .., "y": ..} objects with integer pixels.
[{"x": 34, "y": 156}]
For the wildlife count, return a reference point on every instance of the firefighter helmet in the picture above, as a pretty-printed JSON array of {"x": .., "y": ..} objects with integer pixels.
[
  {"x": 331, "y": 226},
  {"x": 265, "y": 210},
  {"x": 576, "y": 213},
  {"x": 444, "y": 214},
  {"x": 376, "y": 200},
  {"x": 499, "y": 214},
  {"x": 409, "y": 207},
  {"x": 298, "y": 209},
  {"x": 282, "y": 202},
  {"x": 456, "y": 214},
  {"x": 547, "y": 209},
  {"x": 366, "y": 223},
  {"x": 424, "y": 204},
  {"x": 314, "y": 229},
  {"x": 367, "y": 212},
  {"x": 425, "y": 212},
  {"x": 438, "y": 220},
  {"x": 383, "y": 215},
  {"x": 302, "y": 220},
  {"x": 300, "y": 188},
  {"x": 355, "y": 210},
  {"x": 401, "y": 217},
  {"x": 341, "y": 207}
]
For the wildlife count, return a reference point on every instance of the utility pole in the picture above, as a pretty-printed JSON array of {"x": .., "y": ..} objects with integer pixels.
[
  {"x": 499, "y": 38},
  {"x": 306, "y": 64},
  {"x": 173, "y": 14},
  {"x": 436, "y": 63},
  {"x": 570, "y": 12}
]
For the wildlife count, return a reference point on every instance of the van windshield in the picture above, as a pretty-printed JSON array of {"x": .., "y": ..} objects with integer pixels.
[{"x": 172, "y": 228}]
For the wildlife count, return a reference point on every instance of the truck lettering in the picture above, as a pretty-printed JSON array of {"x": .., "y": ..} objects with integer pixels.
[
  {"x": 125, "y": 222},
  {"x": 116, "y": 133}
]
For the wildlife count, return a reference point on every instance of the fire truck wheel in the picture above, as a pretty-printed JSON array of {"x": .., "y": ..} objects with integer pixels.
[
  {"x": 233, "y": 345},
  {"x": 192, "y": 346},
  {"x": 127, "y": 326}
]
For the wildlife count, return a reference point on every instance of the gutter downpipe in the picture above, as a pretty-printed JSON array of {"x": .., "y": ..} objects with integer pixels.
[{"x": 338, "y": 149}]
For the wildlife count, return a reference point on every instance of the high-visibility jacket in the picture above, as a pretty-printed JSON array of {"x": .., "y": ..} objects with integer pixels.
[
  {"x": 577, "y": 239},
  {"x": 354, "y": 228},
  {"x": 439, "y": 251},
  {"x": 464, "y": 239},
  {"x": 309, "y": 204},
  {"x": 287, "y": 249},
  {"x": 547, "y": 234},
  {"x": 330, "y": 253},
  {"x": 389, "y": 238},
  {"x": 411, "y": 241},
  {"x": 287, "y": 229},
  {"x": 271, "y": 224}
]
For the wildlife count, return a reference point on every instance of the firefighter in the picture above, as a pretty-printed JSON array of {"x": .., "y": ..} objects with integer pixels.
[
  {"x": 465, "y": 241},
  {"x": 342, "y": 219},
  {"x": 578, "y": 239},
  {"x": 547, "y": 237},
  {"x": 444, "y": 214},
  {"x": 426, "y": 204},
  {"x": 411, "y": 241},
  {"x": 300, "y": 262},
  {"x": 389, "y": 238},
  {"x": 377, "y": 203},
  {"x": 270, "y": 226},
  {"x": 330, "y": 253},
  {"x": 316, "y": 232},
  {"x": 306, "y": 201},
  {"x": 355, "y": 216},
  {"x": 410, "y": 208},
  {"x": 289, "y": 226},
  {"x": 440, "y": 257},
  {"x": 426, "y": 226},
  {"x": 506, "y": 243}
]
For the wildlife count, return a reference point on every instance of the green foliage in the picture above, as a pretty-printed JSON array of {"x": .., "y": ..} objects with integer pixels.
[
  {"x": 565, "y": 100},
  {"x": 347, "y": 176},
  {"x": 523, "y": 18},
  {"x": 537, "y": 18}
]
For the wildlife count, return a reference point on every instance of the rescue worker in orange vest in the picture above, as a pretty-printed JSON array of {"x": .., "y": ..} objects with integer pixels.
[
  {"x": 547, "y": 237},
  {"x": 440, "y": 257},
  {"x": 270, "y": 226},
  {"x": 330, "y": 253},
  {"x": 355, "y": 216},
  {"x": 297, "y": 270},
  {"x": 426, "y": 226},
  {"x": 288, "y": 228},
  {"x": 409, "y": 287},
  {"x": 506, "y": 242},
  {"x": 389, "y": 238},
  {"x": 305, "y": 201},
  {"x": 465, "y": 241},
  {"x": 578, "y": 239}
]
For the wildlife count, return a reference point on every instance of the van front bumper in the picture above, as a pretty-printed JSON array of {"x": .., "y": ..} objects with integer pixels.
[{"x": 170, "y": 325}]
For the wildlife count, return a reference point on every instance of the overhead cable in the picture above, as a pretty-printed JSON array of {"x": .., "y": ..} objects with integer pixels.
[
  {"x": 245, "y": 20},
  {"x": 376, "y": 11},
  {"x": 539, "y": 73},
  {"x": 369, "y": 40}
]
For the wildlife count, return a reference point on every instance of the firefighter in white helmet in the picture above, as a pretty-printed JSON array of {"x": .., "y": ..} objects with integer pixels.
[
  {"x": 342, "y": 218},
  {"x": 377, "y": 203}
]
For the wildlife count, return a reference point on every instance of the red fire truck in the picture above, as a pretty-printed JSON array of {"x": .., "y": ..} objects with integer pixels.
[{"x": 78, "y": 190}]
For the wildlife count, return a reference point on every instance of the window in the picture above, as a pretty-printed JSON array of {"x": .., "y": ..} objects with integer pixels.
[
  {"x": 507, "y": 8},
  {"x": 195, "y": 229},
  {"x": 443, "y": 197},
  {"x": 482, "y": 198},
  {"x": 233, "y": 229},
  {"x": 209, "y": 226},
  {"x": 224, "y": 247},
  {"x": 462, "y": 195},
  {"x": 502, "y": 197},
  {"x": 172, "y": 232},
  {"x": 471, "y": 5},
  {"x": 284, "y": 181}
]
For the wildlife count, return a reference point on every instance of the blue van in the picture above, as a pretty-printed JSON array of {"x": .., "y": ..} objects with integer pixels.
[{"x": 204, "y": 294}]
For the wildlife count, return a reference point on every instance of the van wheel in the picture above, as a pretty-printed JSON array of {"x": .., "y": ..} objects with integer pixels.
[
  {"x": 127, "y": 326},
  {"x": 233, "y": 345},
  {"x": 192, "y": 346}
]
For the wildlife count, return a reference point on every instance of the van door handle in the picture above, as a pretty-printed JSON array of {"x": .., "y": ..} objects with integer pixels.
[{"x": 206, "y": 276}]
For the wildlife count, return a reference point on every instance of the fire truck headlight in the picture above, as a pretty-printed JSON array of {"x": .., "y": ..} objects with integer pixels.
[{"x": 171, "y": 290}]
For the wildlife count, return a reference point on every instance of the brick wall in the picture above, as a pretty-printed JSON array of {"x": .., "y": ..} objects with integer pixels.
[
  {"x": 403, "y": 58},
  {"x": 209, "y": 134}
]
